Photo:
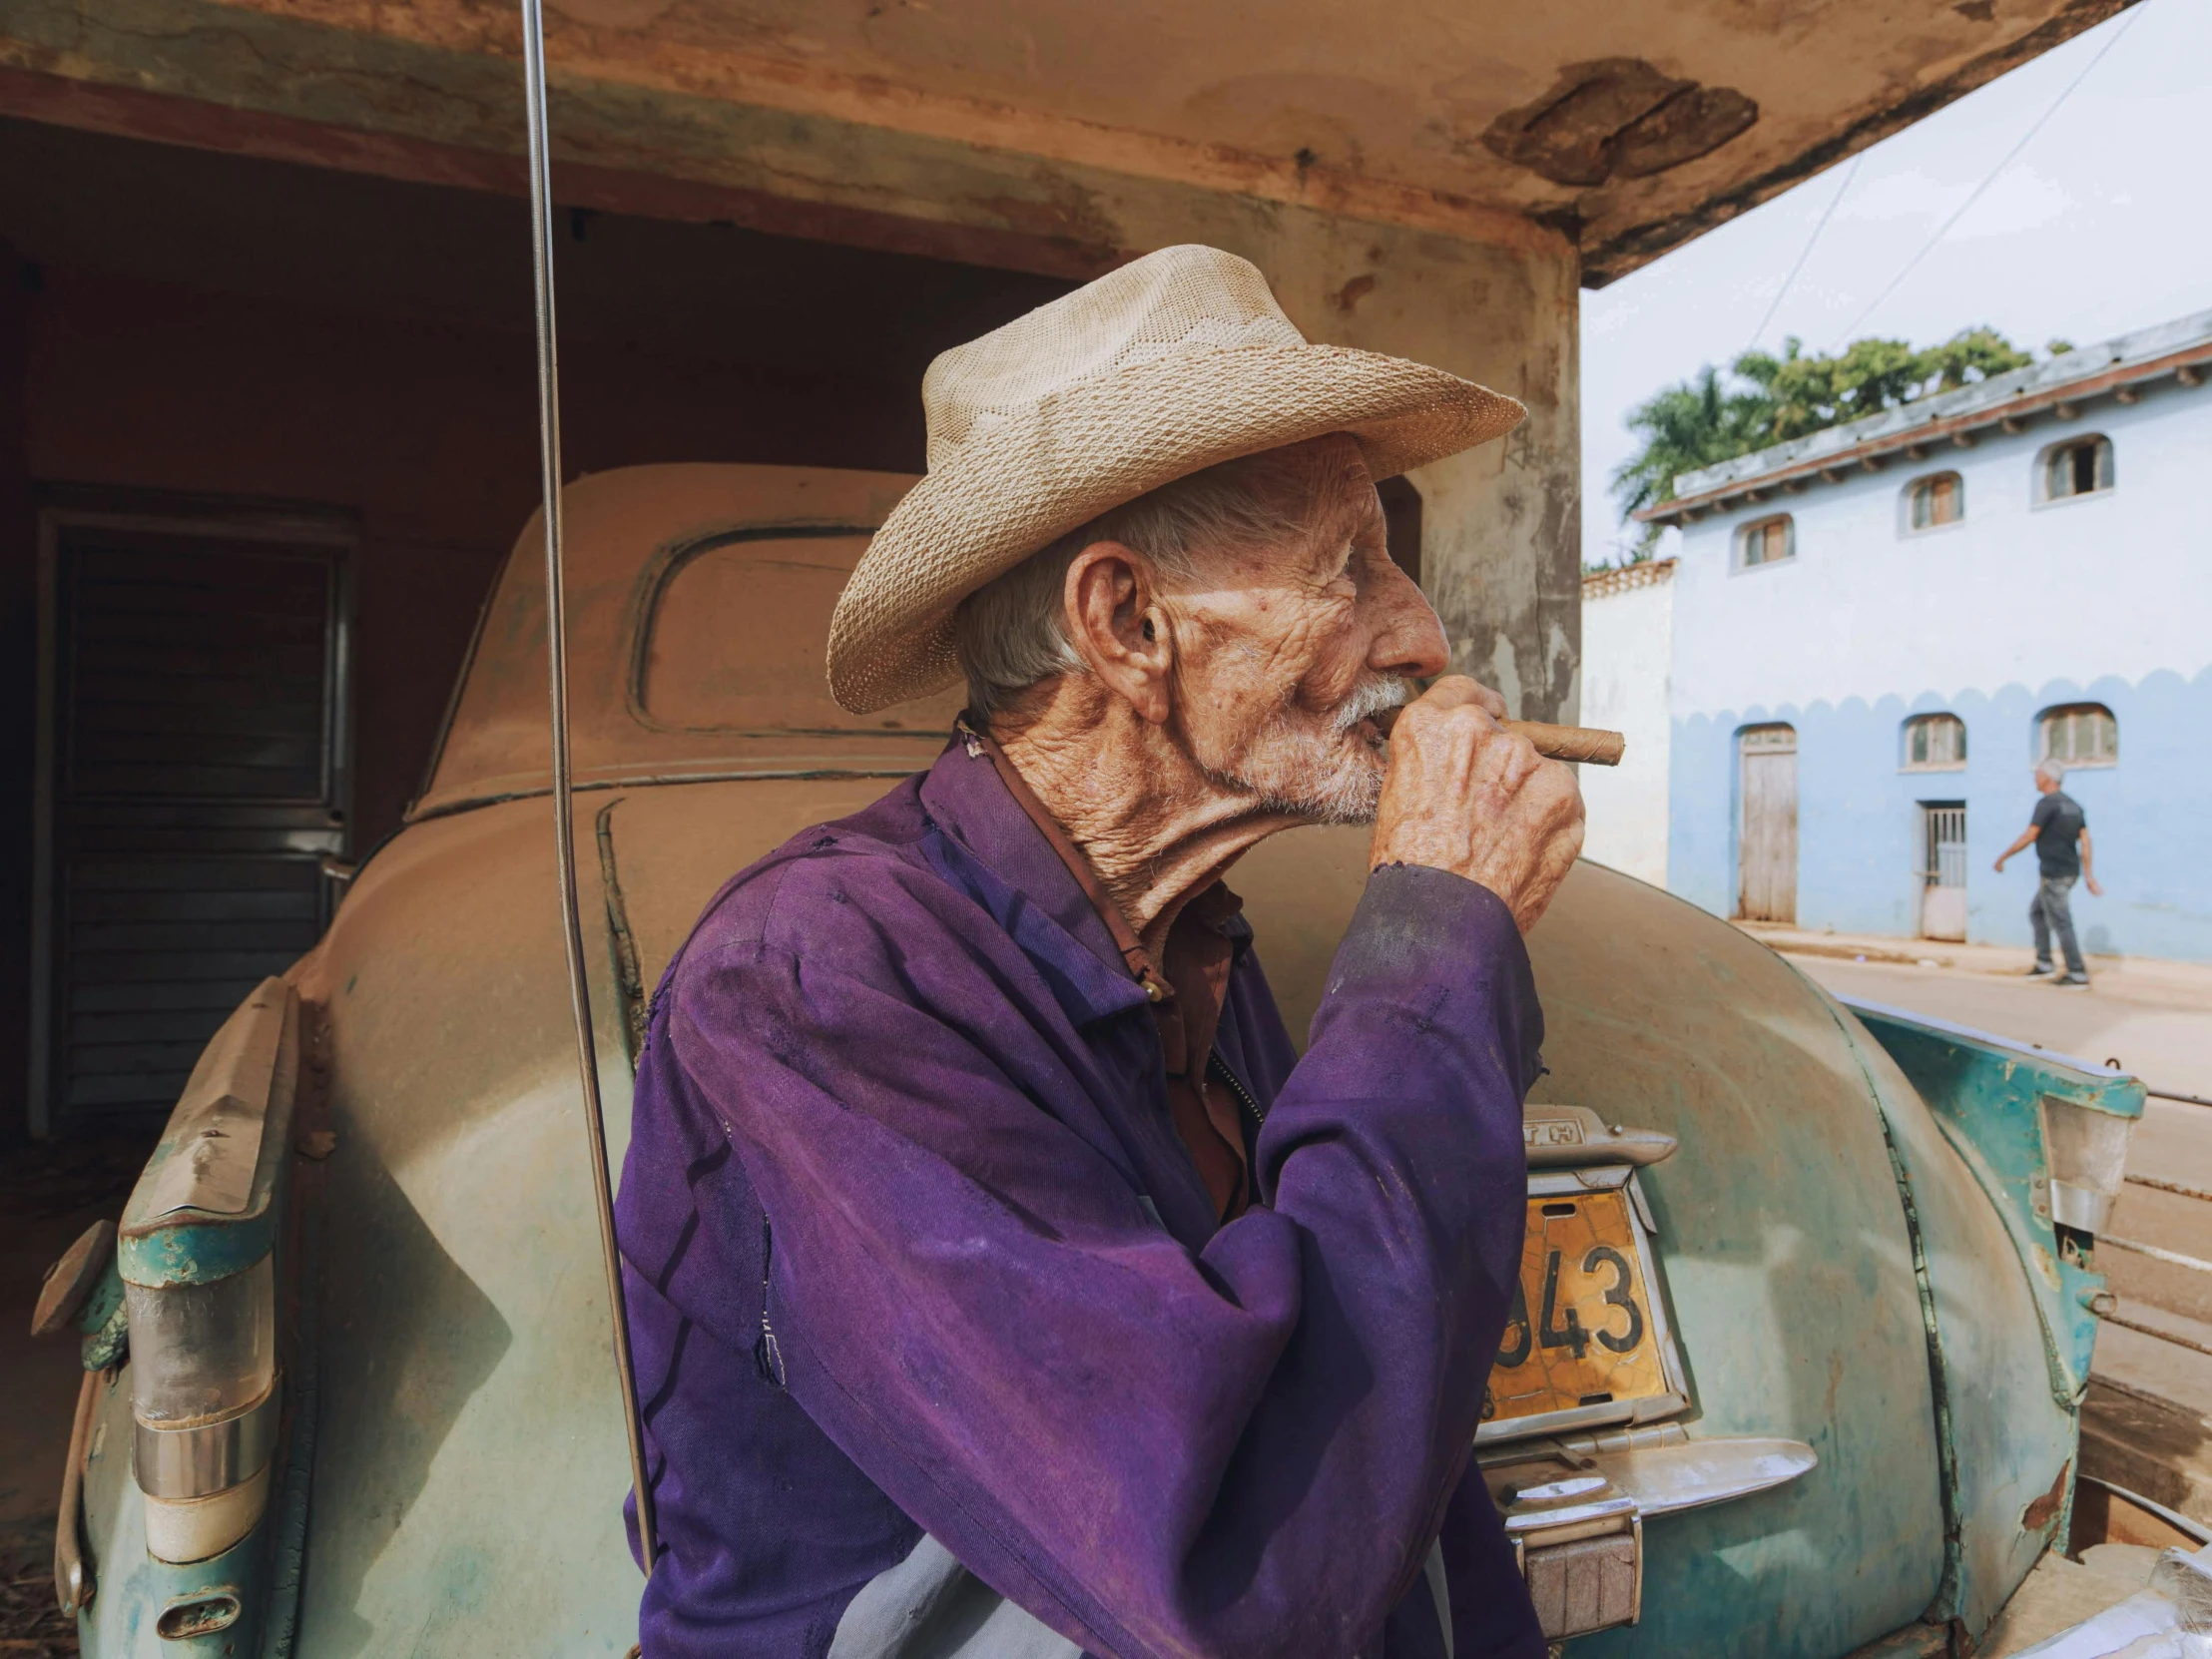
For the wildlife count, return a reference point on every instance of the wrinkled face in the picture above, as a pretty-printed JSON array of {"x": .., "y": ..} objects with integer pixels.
[{"x": 1285, "y": 652}]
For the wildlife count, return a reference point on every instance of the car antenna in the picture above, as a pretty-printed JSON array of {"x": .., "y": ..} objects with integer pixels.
[{"x": 564, "y": 825}]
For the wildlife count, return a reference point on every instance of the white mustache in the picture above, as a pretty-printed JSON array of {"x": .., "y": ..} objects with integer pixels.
[{"x": 1372, "y": 698}]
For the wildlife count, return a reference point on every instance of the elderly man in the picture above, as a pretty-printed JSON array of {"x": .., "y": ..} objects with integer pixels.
[{"x": 1002, "y": 1283}]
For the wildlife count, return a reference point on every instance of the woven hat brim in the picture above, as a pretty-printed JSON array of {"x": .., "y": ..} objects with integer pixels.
[{"x": 1021, "y": 485}]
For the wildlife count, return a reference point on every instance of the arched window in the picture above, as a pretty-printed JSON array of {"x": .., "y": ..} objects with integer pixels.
[
  {"x": 1935, "y": 743},
  {"x": 1935, "y": 500},
  {"x": 2078, "y": 735},
  {"x": 1768, "y": 542},
  {"x": 2080, "y": 466}
]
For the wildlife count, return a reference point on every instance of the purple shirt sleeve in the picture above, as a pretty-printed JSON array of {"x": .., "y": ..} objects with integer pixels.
[{"x": 1154, "y": 1452}]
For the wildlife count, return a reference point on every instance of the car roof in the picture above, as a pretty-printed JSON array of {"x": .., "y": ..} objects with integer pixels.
[{"x": 699, "y": 600}]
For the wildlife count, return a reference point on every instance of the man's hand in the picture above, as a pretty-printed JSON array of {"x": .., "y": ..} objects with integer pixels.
[
  {"x": 1465, "y": 796},
  {"x": 2096, "y": 892},
  {"x": 1999, "y": 866}
]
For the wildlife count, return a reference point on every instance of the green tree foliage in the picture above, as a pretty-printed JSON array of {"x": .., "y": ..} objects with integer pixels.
[
  {"x": 1694, "y": 424},
  {"x": 1766, "y": 400},
  {"x": 1810, "y": 394}
]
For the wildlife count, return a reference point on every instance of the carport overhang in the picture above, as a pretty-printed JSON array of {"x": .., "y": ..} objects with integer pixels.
[{"x": 1054, "y": 135}]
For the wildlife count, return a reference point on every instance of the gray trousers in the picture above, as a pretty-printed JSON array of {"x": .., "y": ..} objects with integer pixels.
[{"x": 2048, "y": 913}]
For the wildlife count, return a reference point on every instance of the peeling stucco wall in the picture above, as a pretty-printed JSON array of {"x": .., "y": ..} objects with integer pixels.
[{"x": 1501, "y": 526}]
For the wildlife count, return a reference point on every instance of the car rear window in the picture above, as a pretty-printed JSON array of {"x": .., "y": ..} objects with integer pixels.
[{"x": 736, "y": 633}]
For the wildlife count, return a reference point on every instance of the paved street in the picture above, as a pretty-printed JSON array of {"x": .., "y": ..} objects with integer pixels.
[{"x": 2148, "y": 1425}]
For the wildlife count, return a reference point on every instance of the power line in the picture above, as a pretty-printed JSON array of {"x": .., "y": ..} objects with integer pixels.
[
  {"x": 1805, "y": 254},
  {"x": 1990, "y": 178}
]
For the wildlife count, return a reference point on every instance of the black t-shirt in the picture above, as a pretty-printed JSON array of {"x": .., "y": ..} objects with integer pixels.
[{"x": 2058, "y": 824}]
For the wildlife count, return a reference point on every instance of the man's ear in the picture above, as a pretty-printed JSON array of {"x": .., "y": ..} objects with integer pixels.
[{"x": 1110, "y": 608}]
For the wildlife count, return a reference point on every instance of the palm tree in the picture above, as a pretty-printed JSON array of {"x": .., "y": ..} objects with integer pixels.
[{"x": 1697, "y": 423}]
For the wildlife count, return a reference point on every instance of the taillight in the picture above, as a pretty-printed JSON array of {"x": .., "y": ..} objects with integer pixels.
[{"x": 197, "y": 1252}]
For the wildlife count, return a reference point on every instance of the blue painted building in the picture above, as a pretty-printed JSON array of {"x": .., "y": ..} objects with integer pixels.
[{"x": 1878, "y": 631}]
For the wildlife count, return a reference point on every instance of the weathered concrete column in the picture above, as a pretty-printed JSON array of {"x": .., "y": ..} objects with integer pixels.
[{"x": 1500, "y": 527}]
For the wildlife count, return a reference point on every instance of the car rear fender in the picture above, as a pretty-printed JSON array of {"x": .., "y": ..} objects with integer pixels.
[{"x": 2041, "y": 1138}]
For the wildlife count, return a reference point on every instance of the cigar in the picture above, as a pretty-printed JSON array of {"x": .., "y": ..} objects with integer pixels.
[
  {"x": 1559, "y": 743},
  {"x": 1572, "y": 743}
]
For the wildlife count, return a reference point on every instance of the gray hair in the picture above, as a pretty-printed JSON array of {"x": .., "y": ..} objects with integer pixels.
[
  {"x": 1008, "y": 633},
  {"x": 2050, "y": 772}
]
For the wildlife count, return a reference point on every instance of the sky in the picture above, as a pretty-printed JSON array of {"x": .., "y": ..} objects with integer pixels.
[{"x": 2101, "y": 225}]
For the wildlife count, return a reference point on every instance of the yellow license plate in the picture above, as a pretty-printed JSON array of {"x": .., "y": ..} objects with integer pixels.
[{"x": 1581, "y": 1332}]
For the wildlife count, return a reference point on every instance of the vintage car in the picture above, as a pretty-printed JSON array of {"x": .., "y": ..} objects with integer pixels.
[{"x": 1807, "y": 1290}]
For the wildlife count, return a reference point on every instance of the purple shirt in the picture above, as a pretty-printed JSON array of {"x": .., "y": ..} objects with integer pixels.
[{"x": 920, "y": 1271}]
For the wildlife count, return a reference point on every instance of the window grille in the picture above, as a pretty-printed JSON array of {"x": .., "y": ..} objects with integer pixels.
[
  {"x": 2080, "y": 735},
  {"x": 1935, "y": 743},
  {"x": 1943, "y": 855},
  {"x": 1942, "y": 872}
]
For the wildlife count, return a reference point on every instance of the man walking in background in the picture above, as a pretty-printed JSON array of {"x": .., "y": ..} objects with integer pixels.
[{"x": 2061, "y": 830}]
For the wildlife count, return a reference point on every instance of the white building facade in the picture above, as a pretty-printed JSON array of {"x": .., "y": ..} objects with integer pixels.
[
  {"x": 1878, "y": 631},
  {"x": 1627, "y": 631}
]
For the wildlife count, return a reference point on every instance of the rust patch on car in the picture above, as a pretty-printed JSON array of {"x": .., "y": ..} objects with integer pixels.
[{"x": 2044, "y": 1509}]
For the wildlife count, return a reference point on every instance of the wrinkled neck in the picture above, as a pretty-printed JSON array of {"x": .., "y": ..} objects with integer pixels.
[{"x": 1155, "y": 827}]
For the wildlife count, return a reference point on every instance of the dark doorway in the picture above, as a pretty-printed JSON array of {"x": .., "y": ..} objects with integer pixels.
[
  {"x": 1401, "y": 523},
  {"x": 192, "y": 776}
]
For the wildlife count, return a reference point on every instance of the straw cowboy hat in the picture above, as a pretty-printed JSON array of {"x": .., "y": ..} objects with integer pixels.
[{"x": 1175, "y": 363}]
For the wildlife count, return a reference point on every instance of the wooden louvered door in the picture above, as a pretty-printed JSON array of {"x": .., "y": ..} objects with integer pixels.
[
  {"x": 1768, "y": 832},
  {"x": 193, "y": 777}
]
